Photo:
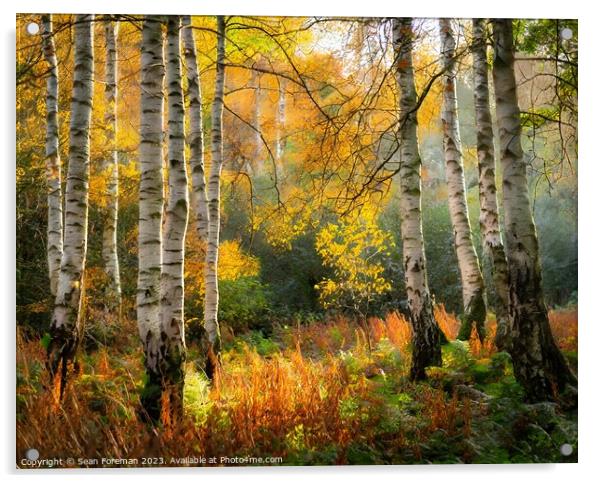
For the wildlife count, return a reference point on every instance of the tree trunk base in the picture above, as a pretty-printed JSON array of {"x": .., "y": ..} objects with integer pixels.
[
  {"x": 162, "y": 398},
  {"x": 60, "y": 358},
  {"x": 150, "y": 398},
  {"x": 426, "y": 340},
  {"x": 539, "y": 365},
  {"x": 213, "y": 361},
  {"x": 474, "y": 315}
]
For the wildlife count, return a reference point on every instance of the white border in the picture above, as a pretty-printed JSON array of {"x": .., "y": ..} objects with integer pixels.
[{"x": 590, "y": 235}]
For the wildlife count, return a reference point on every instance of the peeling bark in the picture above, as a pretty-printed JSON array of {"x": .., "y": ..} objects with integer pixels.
[
  {"x": 150, "y": 216},
  {"x": 257, "y": 162},
  {"x": 199, "y": 200},
  {"x": 110, "y": 169},
  {"x": 280, "y": 125},
  {"x": 426, "y": 341},
  {"x": 54, "y": 230},
  {"x": 493, "y": 247},
  {"x": 217, "y": 155},
  {"x": 473, "y": 287},
  {"x": 66, "y": 328},
  {"x": 172, "y": 343},
  {"x": 539, "y": 366}
]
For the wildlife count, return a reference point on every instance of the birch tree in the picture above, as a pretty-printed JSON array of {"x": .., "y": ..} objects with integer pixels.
[
  {"x": 493, "y": 247},
  {"x": 211, "y": 260},
  {"x": 150, "y": 207},
  {"x": 539, "y": 366},
  {"x": 280, "y": 124},
  {"x": 470, "y": 271},
  {"x": 257, "y": 162},
  {"x": 66, "y": 328},
  {"x": 199, "y": 200},
  {"x": 426, "y": 348},
  {"x": 172, "y": 345},
  {"x": 110, "y": 169},
  {"x": 54, "y": 229}
]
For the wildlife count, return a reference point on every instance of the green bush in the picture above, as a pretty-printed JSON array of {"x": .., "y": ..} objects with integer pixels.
[
  {"x": 244, "y": 304},
  {"x": 255, "y": 339}
]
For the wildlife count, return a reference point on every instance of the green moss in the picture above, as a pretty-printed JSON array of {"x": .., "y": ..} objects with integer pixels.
[{"x": 475, "y": 314}]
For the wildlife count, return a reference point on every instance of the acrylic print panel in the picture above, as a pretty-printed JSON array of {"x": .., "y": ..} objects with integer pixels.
[{"x": 295, "y": 241}]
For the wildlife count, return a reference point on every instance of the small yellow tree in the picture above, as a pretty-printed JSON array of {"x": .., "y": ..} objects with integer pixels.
[{"x": 355, "y": 252}]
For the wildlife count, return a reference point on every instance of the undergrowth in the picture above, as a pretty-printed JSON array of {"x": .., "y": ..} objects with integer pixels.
[{"x": 315, "y": 394}]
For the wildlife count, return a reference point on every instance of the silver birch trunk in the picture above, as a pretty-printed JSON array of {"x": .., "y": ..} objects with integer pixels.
[
  {"x": 426, "y": 342},
  {"x": 257, "y": 161},
  {"x": 493, "y": 247},
  {"x": 110, "y": 169},
  {"x": 211, "y": 259},
  {"x": 539, "y": 366},
  {"x": 280, "y": 124},
  {"x": 54, "y": 230},
  {"x": 66, "y": 328},
  {"x": 200, "y": 203},
  {"x": 172, "y": 344},
  {"x": 151, "y": 207},
  {"x": 470, "y": 271}
]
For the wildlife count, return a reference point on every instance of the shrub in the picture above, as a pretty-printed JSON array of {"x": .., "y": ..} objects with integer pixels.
[{"x": 244, "y": 304}]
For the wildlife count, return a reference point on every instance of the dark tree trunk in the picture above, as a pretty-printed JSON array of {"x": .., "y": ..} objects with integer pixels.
[
  {"x": 539, "y": 366},
  {"x": 426, "y": 342}
]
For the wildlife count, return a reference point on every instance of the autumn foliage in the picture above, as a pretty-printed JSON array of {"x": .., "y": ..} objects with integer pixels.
[
  {"x": 315, "y": 395},
  {"x": 312, "y": 301}
]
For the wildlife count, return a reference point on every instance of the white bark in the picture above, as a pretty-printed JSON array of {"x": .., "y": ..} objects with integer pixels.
[
  {"x": 538, "y": 364},
  {"x": 200, "y": 203},
  {"x": 425, "y": 333},
  {"x": 67, "y": 322},
  {"x": 54, "y": 229},
  {"x": 110, "y": 169},
  {"x": 257, "y": 161},
  {"x": 211, "y": 261},
  {"x": 280, "y": 124},
  {"x": 256, "y": 80},
  {"x": 493, "y": 247},
  {"x": 472, "y": 279},
  {"x": 151, "y": 192},
  {"x": 176, "y": 220}
]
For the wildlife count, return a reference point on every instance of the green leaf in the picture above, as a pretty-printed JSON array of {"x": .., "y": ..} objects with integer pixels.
[{"x": 45, "y": 341}]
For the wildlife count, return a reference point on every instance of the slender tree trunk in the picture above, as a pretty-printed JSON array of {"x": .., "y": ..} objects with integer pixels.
[
  {"x": 473, "y": 287},
  {"x": 54, "y": 228},
  {"x": 493, "y": 247},
  {"x": 66, "y": 328},
  {"x": 426, "y": 343},
  {"x": 211, "y": 260},
  {"x": 151, "y": 208},
  {"x": 257, "y": 161},
  {"x": 197, "y": 162},
  {"x": 280, "y": 124},
  {"x": 172, "y": 344},
  {"x": 539, "y": 366},
  {"x": 110, "y": 169}
]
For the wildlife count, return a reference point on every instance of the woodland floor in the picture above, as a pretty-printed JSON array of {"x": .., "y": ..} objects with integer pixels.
[{"x": 312, "y": 395}]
